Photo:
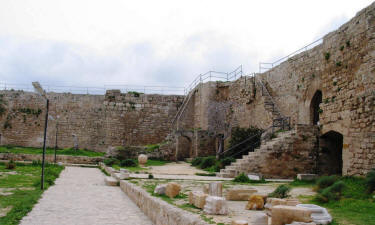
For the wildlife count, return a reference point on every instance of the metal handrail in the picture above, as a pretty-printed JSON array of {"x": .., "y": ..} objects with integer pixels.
[
  {"x": 265, "y": 65},
  {"x": 268, "y": 94},
  {"x": 214, "y": 76},
  {"x": 246, "y": 140},
  {"x": 96, "y": 90}
]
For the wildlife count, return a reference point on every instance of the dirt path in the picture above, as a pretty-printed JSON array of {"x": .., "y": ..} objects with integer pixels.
[
  {"x": 179, "y": 168},
  {"x": 81, "y": 198}
]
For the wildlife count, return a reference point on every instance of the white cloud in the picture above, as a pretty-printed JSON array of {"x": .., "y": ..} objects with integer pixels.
[{"x": 92, "y": 42}]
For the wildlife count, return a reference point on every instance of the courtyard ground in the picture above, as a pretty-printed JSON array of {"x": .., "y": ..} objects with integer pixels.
[{"x": 80, "y": 197}]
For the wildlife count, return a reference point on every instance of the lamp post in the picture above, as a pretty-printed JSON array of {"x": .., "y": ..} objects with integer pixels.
[{"x": 38, "y": 88}]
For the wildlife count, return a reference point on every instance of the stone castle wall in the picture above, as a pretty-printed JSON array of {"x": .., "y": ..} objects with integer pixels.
[
  {"x": 98, "y": 121},
  {"x": 342, "y": 68}
]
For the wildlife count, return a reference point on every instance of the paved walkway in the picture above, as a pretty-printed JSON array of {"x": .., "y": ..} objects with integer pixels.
[{"x": 80, "y": 197}]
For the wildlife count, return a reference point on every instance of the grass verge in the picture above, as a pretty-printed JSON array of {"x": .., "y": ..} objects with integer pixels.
[
  {"x": 22, "y": 185},
  {"x": 49, "y": 151}
]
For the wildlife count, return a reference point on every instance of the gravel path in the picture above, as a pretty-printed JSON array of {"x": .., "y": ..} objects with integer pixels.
[{"x": 80, "y": 197}]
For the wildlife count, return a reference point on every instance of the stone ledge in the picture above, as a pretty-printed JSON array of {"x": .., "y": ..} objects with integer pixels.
[{"x": 159, "y": 212}]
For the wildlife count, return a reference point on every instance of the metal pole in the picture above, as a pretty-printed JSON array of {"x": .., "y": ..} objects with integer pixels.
[
  {"x": 44, "y": 145},
  {"x": 57, "y": 125}
]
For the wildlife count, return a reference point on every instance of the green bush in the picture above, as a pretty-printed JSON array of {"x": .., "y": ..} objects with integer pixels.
[
  {"x": 128, "y": 163},
  {"x": 150, "y": 176},
  {"x": 207, "y": 162},
  {"x": 227, "y": 161},
  {"x": 196, "y": 161},
  {"x": 370, "y": 181},
  {"x": 11, "y": 165},
  {"x": 331, "y": 193},
  {"x": 242, "y": 178},
  {"x": 326, "y": 181},
  {"x": 281, "y": 191},
  {"x": 109, "y": 161}
]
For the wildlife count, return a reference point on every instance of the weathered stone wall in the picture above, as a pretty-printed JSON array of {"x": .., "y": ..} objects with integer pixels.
[
  {"x": 98, "y": 121},
  {"x": 342, "y": 68}
]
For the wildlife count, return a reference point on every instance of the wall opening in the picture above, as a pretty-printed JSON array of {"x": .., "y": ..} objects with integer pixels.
[
  {"x": 184, "y": 148},
  {"x": 314, "y": 107},
  {"x": 330, "y": 157}
]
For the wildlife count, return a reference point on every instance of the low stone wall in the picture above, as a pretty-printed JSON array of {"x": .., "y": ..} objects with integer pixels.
[
  {"x": 160, "y": 212},
  {"x": 50, "y": 158}
]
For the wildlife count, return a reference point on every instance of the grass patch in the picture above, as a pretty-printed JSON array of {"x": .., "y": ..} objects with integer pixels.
[
  {"x": 137, "y": 168},
  {"x": 349, "y": 200},
  {"x": 49, "y": 151},
  {"x": 27, "y": 189},
  {"x": 242, "y": 178},
  {"x": 302, "y": 183},
  {"x": 206, "y": 174}
]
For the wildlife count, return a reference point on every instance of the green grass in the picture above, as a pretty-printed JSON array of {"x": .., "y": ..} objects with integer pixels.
[
  {"x": 150, "y": 162},
  {"x": 50, "y": 151},
  {"x": 22, "y": 200},
  {"x": 356, "y": 206}
]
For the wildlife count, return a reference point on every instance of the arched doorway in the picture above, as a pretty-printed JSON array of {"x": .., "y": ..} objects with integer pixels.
[
  {"x": 330, "y": 157},
  {"x": 184, "y": 148},
  {"x": 314, "y": 107}
]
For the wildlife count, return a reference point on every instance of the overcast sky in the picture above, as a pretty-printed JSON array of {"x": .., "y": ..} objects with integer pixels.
[{"x": 138, "y": 42}]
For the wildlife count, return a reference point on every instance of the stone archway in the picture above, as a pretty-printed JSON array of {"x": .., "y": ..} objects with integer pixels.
[
  {"x": 183, "y": 147},
  {"x": 314, "y": 107},
  {"x": 330, "y": 155}
]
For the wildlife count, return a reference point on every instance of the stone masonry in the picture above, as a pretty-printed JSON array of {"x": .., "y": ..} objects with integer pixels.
[{"x": 98, "y": 121}]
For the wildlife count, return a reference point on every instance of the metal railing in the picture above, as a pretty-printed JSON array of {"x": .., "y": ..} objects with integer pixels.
[
  {"x": 214, "y": 76},
  {"x": 164, "y": 90},
  {"x": 264, "y": 66}
]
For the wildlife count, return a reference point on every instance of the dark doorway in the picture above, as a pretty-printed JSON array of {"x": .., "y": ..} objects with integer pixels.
[
  {"x": 330, "y": 157},
  {"x": 314, "y": 107},
  {"x": 184, "y": 148}
]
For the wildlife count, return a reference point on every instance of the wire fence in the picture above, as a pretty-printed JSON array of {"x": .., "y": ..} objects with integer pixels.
[{"x": 164, "y": 90}]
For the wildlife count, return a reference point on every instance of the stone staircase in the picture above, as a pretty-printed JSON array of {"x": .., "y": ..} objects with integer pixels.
[{"x": 252, "y": 162}]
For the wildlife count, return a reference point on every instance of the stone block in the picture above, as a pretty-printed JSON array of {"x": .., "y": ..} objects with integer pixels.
[
  {"x": 255, "y": 202},
  {"x": 142, "y": 159},
  {"x": 319, "y": 214},
  {"x": 110, "y": 181},
  {"x": 198, "y": 199},
  {"x": 160, "y": 189},
  {"x": 239, "y": 222},
  {"x": 121, "y": 176},
  {"x": 260, "y": 218},
  {"x": 205, "y": 188},
  {"x": 282, "y": 214},
  {"x": 306, "y": 177},
  {"x": 301, "y": 223},
  {"x": 172, "y": 189},
  {"x": 239, "y": 194},
  {"x": 215, "y": 189},
  {"x": 215, "y": 206},
  {"x": 254, "y": 176},
  {"x": 278, "y": 201}
]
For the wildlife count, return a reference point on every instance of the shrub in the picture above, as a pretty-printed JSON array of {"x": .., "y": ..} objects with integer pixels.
[
  {"x": 281, "y": 191},
  {"x": 370, "y": 181},
  {"x": 109, "y": 161},
  {"x": 331, "y": 193},
  {"x": 128, "y": 163},
  {"x": 10, "y": 165},
  {"x": 325, "y": 182},
  {"x": 196, "y": 161},
  {"x": 208, "y": 162},
  {"x": 227, "y": 161},
  {"x": 242, "y": 178},
  {"x": 327, "y": 55},
  {"x": 150, "y": 176}
]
